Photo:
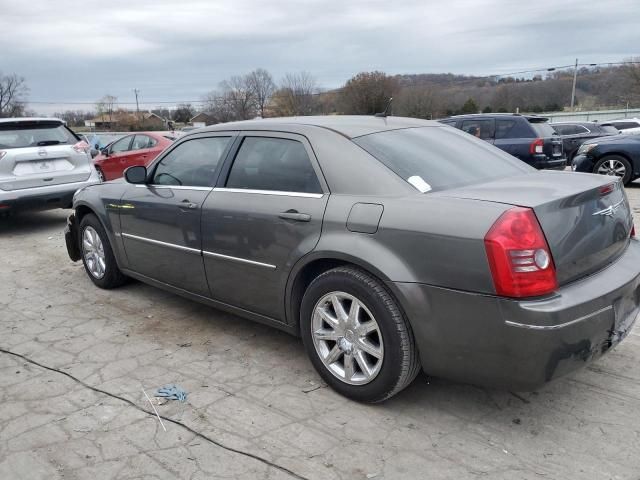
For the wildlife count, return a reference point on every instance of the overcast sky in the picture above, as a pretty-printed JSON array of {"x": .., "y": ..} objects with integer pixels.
[{"x": 72, "y": 51}]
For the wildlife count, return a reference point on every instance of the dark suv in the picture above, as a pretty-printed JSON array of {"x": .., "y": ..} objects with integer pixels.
[
  {"x": 529, "y": 138},
  {"x": 574, "y": 134}
]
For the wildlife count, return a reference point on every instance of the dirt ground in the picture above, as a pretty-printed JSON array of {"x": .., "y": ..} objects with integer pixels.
[{"x": 74, "y": 361}]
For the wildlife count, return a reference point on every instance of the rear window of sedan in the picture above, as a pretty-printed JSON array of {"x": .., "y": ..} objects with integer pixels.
[
  {"x": 31, "y": 134},
  {"x": 438, "y": 158}
]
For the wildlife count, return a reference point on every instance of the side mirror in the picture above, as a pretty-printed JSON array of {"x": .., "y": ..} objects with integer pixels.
[
  {"x": 105, "y": 151},
  {"x": 136, "y": 175}
]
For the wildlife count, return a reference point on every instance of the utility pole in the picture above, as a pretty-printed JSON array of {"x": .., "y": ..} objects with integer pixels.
[
  {"x": 573, "y": 89},
  {"x": 136, "y": 91}
]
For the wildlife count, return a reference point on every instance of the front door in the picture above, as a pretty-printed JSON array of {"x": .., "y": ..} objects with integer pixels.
[
  {"x": 160, "y": 221},
  {"x": 264, "y": 216},
  {"x": 119, "y": 150}
]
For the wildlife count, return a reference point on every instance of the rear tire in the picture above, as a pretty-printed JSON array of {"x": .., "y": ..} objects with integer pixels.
[
  {"x": 613, "y": 165},
  {"x": 368, "y": 359},
  {"x": 97, "y": 255}
]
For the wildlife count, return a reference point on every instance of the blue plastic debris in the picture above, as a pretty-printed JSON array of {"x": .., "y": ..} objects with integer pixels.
[{"x": 172, "y": 392}]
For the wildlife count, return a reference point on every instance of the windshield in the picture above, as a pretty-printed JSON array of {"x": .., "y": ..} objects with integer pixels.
[
  {"x": 31, "y": 134},
  {"x": 437, "y": 158}
]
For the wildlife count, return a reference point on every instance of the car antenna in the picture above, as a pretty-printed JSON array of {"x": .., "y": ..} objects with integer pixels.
[{"x": 386, "y": 110}]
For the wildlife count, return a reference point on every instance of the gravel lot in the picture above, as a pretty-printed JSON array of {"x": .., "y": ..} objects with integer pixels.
[{"x": 256, "y": 408}]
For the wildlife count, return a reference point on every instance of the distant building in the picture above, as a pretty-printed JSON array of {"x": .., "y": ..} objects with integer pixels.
[
  {"x": 203, "y": 119},
  {"x": 126, "y": 120}
]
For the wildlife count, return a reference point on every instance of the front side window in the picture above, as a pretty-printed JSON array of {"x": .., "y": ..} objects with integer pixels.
[
  {"x": 483, "y": 129},
  {"x": 192, "y": 163},
  {"x": 121, "y": 145},
  {"x": 436, "y": 158},
  {"x": 276, "y": 164}
]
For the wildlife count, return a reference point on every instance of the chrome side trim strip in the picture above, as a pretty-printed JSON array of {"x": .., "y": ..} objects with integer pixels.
[
  {"x": 269, "y": 192},
  {"x": 174, "y": 187},
  {"x": 561, "y": 325},
  {"x": 237, "y": 259},
  {"x": 163, "y": 244}
]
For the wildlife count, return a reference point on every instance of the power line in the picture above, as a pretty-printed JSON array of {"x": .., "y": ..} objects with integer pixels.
[{"x": 337, "y": 90}]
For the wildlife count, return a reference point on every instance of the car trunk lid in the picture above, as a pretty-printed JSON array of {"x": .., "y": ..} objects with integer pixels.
[
  {"x": 586, "y": 218},
  {"x": 42, "y": 166}
]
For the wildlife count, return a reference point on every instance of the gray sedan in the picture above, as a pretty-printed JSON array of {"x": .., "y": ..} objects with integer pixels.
[{"x": 390, "y": 245}]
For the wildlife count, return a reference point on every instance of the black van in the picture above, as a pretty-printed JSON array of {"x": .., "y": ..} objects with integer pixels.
[{"x": 527, "y": 137}]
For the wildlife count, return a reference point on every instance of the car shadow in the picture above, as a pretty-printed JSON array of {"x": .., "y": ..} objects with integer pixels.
[{"x": 19, "y": 223}]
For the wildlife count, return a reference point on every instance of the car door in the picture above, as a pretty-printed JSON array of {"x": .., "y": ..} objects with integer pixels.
[
  {"x": 160, "y": 220},
  {"x": 140, "y": 151},
  {"x": 264, "y": 215},
  {"x": 118, "y": 151}
]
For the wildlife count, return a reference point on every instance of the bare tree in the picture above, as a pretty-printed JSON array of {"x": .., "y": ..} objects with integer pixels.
[
  {"x": 295, "y": 95},
  {"x": 13, "y": 90},
  {"x": 631, "y": 72},
  {"x": 106, "y": 105},
  {"x": 239, "y": 96},
  {"x": 367, "y": 93},
  {"x": 261, "y": 84},
  {"x": 218, "y": 106},
  {"x": 416, "y": 102}
]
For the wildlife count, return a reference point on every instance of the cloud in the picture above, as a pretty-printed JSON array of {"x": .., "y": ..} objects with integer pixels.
[{"x": 71, "y": 51}]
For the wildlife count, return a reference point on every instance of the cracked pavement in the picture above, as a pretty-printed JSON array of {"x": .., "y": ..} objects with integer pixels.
[{"x": 256, "y": 408}]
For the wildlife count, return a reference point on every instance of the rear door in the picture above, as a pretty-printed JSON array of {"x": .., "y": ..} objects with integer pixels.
[
  {"x": 40, "y": 153},
  {"x": 160, "y": 221},
  {"x": 264, "y": 215},
  {"x": 140, "y": 150}
]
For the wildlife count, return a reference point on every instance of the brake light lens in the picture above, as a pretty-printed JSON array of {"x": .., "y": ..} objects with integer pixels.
[
  {"x": 537, "y": 146},
  {"x": 633, "y": 231},
  {"x": 519, "y": 257},
  {"x": 82, "y": 147}
]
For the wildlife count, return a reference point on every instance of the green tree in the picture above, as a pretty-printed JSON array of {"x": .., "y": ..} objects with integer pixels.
[
  {"x": 470, "y": 106},
  {"x": 367, "y": 93}
]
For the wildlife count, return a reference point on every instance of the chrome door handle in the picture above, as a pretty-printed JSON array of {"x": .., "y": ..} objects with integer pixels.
[
  {"x": 188, "y": 204},
  {"x": 295, "y": 216}
]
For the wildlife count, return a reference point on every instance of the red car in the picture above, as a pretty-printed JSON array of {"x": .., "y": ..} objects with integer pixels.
[{"x": 139, "y": 148}]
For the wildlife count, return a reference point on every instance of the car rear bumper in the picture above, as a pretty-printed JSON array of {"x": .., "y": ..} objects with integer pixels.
[
  {"x": 522, "y": 344},
  {"x": 43, "y": 198},
  {"x": 544, "y": 162}
]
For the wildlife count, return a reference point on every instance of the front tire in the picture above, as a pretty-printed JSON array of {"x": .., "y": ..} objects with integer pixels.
[
  {"x": 97, "y": 255},
  {"x": 357, "y": 338},
  {"x": 614, "y": 165}
]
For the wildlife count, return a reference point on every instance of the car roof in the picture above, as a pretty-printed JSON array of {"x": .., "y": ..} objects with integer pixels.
[
  {"x": 30, "y": 119},
  {"x": 575, "y": 123},
  {"x": 350, "y": 126},
  {"x": 492, "y": 115}
]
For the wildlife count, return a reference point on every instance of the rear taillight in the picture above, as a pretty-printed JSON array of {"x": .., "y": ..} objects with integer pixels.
[
  {"x": 632, "y": 234},
  {"x": 82, "y": 147},
  {"x": 537, "y": 146},
  {"x": 519, "y": 257}
]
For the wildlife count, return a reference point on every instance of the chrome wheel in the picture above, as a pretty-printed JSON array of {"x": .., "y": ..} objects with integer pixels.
[
  {"x": 347, "y": 338},
  {"x": 101, "y": 175},
  {"x": 93, "y": 252},
  {"x": 612, "y": 167}
]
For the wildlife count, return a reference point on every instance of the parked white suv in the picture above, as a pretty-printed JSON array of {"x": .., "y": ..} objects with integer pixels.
[
  {"x": 627, "y": 125},
  {"x": 42, "y": 164}
]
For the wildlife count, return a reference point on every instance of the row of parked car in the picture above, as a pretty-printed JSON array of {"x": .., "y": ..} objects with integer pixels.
[
  {"x": 43, "y": 162},
  {"x": 611, "y": 148}
]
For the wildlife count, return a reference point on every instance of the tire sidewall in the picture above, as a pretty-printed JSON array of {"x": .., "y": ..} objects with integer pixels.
[
  {"x": 112, "y": 273},
  {"x": 627, "y": 174},
  {"x": 391, "y": 369}
]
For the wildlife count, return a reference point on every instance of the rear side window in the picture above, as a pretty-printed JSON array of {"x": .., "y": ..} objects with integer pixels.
[
  {"x": 34, "y": 134},
  {"x": 276, "y": 164},
  {"x": 609, "y": 129},
  {"x": 435, "y": 158},
  {"x": 625, "y": 125},
  {"x": 543, "y": 129},
  {"x": 569, "y": 129},
  {"x": 513, "y": 128},
  {"x": 192, "y": 163},
  {"x": 142, "y": 141}
]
